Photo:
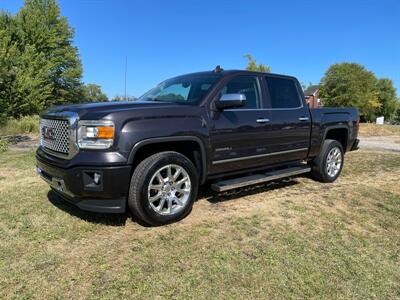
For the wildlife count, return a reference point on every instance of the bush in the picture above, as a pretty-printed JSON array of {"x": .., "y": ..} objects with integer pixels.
[
  {"x": 24, "y": 125},
  {"x": 3, "y": 145},
  {"x": 3, "y": 119},
  {"x": 351, "y": 85}
]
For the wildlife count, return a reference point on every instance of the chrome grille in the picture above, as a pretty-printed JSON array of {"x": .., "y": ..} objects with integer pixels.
[{"x": 54, "y": 135}]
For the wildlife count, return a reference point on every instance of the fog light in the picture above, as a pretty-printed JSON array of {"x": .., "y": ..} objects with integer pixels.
[
  {"x": 96, "y": 178},
  {"x": 92, "y": 180}
]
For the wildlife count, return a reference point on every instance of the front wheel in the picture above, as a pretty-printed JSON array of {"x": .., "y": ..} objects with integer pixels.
[
  {"x": 163, "y": 188},
  {"x": 327, "y": 166}
]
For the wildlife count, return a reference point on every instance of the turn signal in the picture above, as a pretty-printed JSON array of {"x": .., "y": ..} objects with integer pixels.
[{"x": 105, "y": 132}]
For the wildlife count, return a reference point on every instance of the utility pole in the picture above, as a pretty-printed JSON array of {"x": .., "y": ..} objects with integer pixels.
[{"x": 126, "y": 69}]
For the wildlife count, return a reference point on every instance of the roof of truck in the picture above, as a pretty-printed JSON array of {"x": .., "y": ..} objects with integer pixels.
[{"x": 231, "y": 72}]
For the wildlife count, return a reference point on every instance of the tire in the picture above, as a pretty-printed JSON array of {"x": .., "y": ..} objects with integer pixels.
[
  {"x": 156, "y": 197},
  {"x": 320, "y": 170}
]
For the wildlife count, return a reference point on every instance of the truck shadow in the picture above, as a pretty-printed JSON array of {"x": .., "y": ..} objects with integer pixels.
[
  {"x": 92, "y": 217},
  {"x": 205, "y": 193}
]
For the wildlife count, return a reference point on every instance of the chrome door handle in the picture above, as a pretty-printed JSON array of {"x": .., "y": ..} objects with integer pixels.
[
  {"x": 303, "y": 119},
  {"x": 263, "y": 120}
]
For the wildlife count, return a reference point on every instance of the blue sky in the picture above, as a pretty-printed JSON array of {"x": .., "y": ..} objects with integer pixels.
[{"x": 166, "y": 38}]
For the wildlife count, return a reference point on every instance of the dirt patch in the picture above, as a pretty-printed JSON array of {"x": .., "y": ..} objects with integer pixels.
[
  {"x": 369, "y": 129},
  {"x": 388, "y": 143},
  {"x": 22, "y": 142}
]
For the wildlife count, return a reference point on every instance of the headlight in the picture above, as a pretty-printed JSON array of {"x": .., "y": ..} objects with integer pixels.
[{"x": 95, "y": 134}]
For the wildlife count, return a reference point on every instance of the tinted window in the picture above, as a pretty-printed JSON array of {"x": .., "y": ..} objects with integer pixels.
[
  {"x": 283, "y": 93},
  {"x": 246, "y": 85}
]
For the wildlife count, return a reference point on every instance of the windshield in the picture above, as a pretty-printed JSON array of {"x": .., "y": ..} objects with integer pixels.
[{"x": 182, "y": 89}]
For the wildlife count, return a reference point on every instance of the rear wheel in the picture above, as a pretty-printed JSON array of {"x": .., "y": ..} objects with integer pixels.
[
  {"x": 163, "y": 188},
  {"x": 327, "y": 166}
]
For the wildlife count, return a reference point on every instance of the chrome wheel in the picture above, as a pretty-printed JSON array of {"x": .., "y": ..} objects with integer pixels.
[
  {"x": 333, "y": 162},
  {"x": 169, "y": 190}
]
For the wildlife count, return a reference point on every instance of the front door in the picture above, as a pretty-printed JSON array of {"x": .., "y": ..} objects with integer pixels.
[{"x": 238, "y": 135}]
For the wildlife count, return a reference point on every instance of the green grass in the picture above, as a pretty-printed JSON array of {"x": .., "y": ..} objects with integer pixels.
[
  {"x": 24, "y": 125},
  {"x": 297, "y": 240},
  {"x": 3, "y": 145}
]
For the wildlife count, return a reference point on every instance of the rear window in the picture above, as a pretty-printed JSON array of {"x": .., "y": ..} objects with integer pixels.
[{"x": 283, "y": 93}]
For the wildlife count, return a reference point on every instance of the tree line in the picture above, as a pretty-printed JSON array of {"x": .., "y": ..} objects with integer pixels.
[{"x": 39, "y": 65}]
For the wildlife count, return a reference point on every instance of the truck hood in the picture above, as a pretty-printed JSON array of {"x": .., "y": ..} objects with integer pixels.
[
  {"x": 109, "y": 106},
  {"x": 101, "y": 109}
]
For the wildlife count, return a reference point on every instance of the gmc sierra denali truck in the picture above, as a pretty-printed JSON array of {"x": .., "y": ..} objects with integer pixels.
[{"x": 228, "y": 128}]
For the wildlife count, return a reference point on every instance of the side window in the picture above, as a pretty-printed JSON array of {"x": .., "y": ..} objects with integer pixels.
[
  {"x": 283, "y": 93},
  {"x": 247, "y": 85}
]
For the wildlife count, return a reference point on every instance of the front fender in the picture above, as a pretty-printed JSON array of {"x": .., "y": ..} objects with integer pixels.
[{"x": 172, "y": 139}]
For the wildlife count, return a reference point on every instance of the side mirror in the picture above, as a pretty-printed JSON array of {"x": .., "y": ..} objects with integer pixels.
[{"x": 230, "y": 101}]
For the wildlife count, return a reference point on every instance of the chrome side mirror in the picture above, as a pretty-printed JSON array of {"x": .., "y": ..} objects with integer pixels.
[{"x": 230, "y": 101}]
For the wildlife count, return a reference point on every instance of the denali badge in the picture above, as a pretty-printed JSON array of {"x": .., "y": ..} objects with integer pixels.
[{"x": 48, "y": 133}]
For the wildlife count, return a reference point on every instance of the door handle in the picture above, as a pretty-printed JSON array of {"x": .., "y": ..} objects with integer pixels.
[
  {"x": 303, "y": 119},
  {"x": 262, "y": 120}
]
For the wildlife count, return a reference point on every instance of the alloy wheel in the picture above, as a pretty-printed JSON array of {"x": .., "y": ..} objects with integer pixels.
[
  {"x": 334, "y": 162},
  {"x": 169, "y": 189}
]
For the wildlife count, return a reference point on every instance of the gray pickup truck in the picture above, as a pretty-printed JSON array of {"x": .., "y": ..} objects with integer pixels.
[{"x": 228, "y": 128}]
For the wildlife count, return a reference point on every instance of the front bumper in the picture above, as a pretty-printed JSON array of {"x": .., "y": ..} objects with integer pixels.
[{"x": 108, "y": 196}]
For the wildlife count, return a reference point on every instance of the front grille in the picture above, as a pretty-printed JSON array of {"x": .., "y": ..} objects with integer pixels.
[{"x": 54, "y": 135}]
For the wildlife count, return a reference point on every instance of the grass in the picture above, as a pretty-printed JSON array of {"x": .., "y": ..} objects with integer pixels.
[
  {"x": 371, "y": 129},
  {"x": 24, "y": 125},
  {"x": 3, "y": 145},
  {"x": 291, "y": 239}
]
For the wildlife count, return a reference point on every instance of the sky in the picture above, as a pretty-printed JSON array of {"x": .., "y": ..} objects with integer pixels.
[{"x": 162, "y": 39}]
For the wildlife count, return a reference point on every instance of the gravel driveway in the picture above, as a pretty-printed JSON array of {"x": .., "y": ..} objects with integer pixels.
[{"x": 388, "y": 143}]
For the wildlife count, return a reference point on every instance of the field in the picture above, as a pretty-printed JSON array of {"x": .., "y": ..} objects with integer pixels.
[
  {"x": 290, "y": 239},
  {"x": 370, "y": 129}
]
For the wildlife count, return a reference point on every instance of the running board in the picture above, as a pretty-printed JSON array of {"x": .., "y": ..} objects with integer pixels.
[{"x": 235, "y": 183}]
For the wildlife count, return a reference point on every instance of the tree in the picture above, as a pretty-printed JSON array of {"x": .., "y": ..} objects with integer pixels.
[
  {"x": 350, "y": 84},
  {"x": 39, "y": 66},
  {"x": 306, "y": 86},
  {"x": 387, "y": 98},
  {"x": 253, "y": 66},
  {"x": 8, "y": 59},
  {"x": 92, "y": 93},
  {"x": 123, "y": 98},
  {"x": 396, "y": 116},
  {"x": 118, "y": 98},
  {"x": 45, "y": 30}
]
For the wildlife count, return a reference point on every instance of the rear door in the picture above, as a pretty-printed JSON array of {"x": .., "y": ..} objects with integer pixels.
[
  {"x": 290, "y": 120},
  {"x": 238, "y": 135}
]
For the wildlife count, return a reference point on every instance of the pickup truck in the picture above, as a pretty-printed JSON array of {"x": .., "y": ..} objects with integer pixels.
[{"x": 226, "y": 128}]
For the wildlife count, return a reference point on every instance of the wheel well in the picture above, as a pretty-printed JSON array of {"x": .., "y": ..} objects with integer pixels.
[
  {"x": 190, "y": 149},
  {"x": 338, "y": 134}
]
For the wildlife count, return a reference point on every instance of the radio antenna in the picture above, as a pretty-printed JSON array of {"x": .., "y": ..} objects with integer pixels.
[{"x": 126, "y": 70}]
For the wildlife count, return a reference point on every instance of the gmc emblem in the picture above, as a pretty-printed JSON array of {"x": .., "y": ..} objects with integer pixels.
[{"x": 48, "y": 133}]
